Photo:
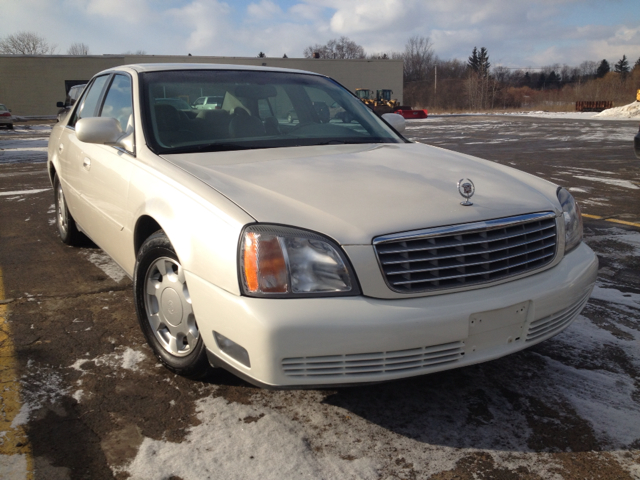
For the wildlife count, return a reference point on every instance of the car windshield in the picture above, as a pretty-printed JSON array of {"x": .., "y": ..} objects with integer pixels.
[{"x": 257, "y": 109}]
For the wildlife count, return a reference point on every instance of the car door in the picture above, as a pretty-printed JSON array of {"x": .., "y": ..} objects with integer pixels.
[
  {"x": 103, "y": 173},
  {"x": 71, "y": 152}
]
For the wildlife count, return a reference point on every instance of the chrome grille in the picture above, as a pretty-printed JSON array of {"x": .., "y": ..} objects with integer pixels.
[
  {"x": 378, "y": 363},
  {"x": 469, "y": 254}
]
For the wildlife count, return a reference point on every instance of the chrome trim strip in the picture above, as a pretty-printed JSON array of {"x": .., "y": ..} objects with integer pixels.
[
  {"x": 479, "y": 242},
  {"x": 468, "y": 254},
  {"x": 463, "y": 228},
  {"x": 465, "y": 265},
  {"x": 487, "y": 272}
]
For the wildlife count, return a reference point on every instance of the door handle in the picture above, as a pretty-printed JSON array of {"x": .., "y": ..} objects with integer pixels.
[{"x": 86, "y": 163}]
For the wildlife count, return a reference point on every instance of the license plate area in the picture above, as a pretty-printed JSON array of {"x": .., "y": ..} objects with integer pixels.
[{"x": 497, "y": 327}]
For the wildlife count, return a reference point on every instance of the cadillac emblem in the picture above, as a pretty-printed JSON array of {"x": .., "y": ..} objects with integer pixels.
[{"x": 466, "y": 189}]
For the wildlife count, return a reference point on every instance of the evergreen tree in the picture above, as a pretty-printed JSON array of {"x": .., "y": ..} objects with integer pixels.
[
  {"x": 603, "y": 69},
  {"x": 479, "y": 61},
  {"x": 622, "y": 66},
  {"x": 474, "y": 62},
  {"x": 637, "y": 65},
  {"x": 261, "y": 55},
  {"x": 542, "y": 81},
  {"x": 483, "y": 61},
  {"x": 553, "y": 81}
]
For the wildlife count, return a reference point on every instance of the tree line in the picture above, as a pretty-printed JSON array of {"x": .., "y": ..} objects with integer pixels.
[
  {"x": 431, "y": 82},
  {"x": 29, "y": 43},
  {"x": 434, "y": 83}
]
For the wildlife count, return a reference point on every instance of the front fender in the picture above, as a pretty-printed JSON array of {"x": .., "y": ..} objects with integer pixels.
[{"x": 202, "y": 225}]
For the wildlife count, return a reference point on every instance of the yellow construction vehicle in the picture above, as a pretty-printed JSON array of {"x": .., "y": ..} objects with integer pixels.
[
  {"x": 364, "y": 94},
  {"x": 384, "y": 103}
]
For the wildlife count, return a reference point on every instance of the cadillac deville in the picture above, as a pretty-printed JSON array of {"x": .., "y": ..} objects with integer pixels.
[{"x": 316, "y": 252}]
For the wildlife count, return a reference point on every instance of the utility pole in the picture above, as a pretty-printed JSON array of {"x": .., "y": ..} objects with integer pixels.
[{"x": 435, "y": 86}]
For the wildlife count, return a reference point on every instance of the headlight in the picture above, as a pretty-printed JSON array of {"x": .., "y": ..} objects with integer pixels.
[
  {"x": 572, "y": 219},
  {"x": 283, "y": 261}
]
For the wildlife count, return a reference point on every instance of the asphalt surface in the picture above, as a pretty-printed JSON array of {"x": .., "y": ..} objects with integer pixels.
[{"x": 84, "y": 398}]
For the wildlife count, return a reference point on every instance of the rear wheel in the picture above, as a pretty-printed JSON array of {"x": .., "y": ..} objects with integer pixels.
[
  {"x": 10, "y": 126},
  {"x": 164, "y": 308},
  {"x": 67, "y": 228}
]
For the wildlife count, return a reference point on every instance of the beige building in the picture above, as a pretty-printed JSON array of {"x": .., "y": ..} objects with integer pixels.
[{"x": 32, "y": 85}]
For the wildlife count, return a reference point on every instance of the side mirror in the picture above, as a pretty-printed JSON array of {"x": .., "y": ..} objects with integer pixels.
[
  {"x": 60, "y": 104},
  {"x": 395, "y": 120},
  {"x": 104, "y": 131}
]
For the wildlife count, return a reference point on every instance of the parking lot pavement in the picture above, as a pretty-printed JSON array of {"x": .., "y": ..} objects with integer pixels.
[{"x": 95, "y": 404}]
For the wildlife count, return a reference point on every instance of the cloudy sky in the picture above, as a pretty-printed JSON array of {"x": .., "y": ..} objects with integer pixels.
[{"x": 517, "y": 33}]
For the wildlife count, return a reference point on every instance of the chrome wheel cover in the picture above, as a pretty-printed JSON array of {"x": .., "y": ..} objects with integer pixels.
[
  {"x": 63, "y": 220},
  {"x": 168, "y": 307}
]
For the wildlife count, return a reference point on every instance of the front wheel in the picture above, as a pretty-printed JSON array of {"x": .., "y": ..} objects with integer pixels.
[{"x": 164, "y": 308}]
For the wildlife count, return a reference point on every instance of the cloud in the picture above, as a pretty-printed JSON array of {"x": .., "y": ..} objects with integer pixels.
[
  {"x": 516, "y": 33},
  {"x": 265, "y": 10},
  {"x": 130, "y": 11},
  {"x": 205, "y": 25}
]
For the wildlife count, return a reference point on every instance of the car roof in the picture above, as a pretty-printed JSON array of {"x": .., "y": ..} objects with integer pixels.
[{"x": 164, "y": 67}]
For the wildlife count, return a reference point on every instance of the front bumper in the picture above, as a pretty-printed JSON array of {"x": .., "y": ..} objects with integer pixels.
[{"x": 349, "y": 340}]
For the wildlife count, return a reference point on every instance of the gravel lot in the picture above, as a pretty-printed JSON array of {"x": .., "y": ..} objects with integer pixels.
[{"x": 95, "y": 404}]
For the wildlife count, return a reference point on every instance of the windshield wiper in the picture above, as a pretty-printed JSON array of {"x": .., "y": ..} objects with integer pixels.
[{"x": 212, "y": 147}]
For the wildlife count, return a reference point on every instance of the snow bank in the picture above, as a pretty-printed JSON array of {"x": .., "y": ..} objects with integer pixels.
[{"x": 628, "y": 111}]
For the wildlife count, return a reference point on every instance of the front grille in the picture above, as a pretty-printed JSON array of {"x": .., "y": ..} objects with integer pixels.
[
  {"x": 372, "y": 364},
  {"x": 467, "y": 255},
  {"x": 555, "y": 323}
]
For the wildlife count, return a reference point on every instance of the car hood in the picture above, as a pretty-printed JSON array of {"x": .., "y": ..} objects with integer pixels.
[{"x": 354, "y": 193}]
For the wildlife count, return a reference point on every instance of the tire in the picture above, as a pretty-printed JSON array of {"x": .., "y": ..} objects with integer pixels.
[
  {"x": 10, "y": 126},
  {"x": 67, "y": 228},
  {"x": 164, "y": 309}
]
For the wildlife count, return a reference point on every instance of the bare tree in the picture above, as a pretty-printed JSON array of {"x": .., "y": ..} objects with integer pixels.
[
  {"x": 419, "y": 59},
  {"x": 588, "y": 69},
  {"x": 26, "y": 43},
  {"x": 342, "y": 48},
  {"x": 78, "y": 48},
  {"x": 137, "y": 52}
]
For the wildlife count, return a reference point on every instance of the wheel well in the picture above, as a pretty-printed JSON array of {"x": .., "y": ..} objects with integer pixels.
[
  {"x": 52, "y": 172},
  {"x": 145, "y": 227}
]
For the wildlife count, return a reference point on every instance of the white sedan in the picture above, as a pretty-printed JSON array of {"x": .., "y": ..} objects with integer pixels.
[{"x": 315, "y": 253}]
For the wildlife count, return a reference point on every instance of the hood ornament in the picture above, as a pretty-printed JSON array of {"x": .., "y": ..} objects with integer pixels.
[{"x": 466, "y": 189}]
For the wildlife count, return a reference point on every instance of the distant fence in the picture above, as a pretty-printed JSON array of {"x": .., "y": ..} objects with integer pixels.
[{"x": 593, "y": 106}]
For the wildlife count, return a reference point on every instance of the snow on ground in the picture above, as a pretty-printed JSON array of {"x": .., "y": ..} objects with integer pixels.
[
  {"x": 630, "y": 111},
  {"x": 15, "y": 148},
  {"x": 126, "y": 359},
  {"x": 237, "y": 441},
  {"x": 23, "y": 192},
  {"x": 626, "y": 112},
  {"x": 605, "y": 398},
  {"x": 609, "y": 181},
  {"x": 105, "y": 263}
]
